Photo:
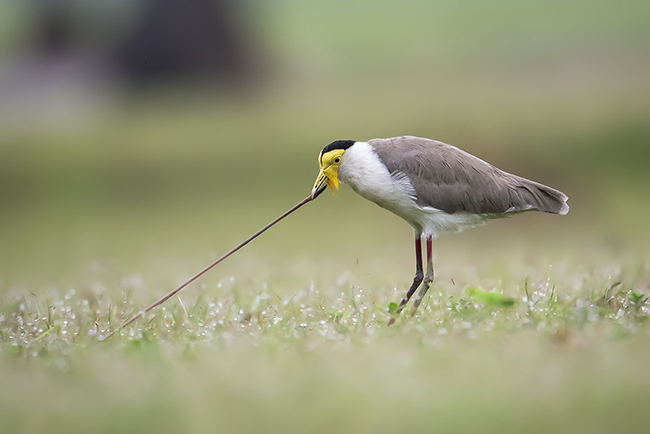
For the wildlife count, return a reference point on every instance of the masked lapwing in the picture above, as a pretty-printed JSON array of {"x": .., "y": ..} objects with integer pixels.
[{"x": 437, "y": 188}]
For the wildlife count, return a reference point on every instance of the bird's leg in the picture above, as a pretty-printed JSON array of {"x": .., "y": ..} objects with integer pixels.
[
  {"x": 428, "y": 278},
  {"x": 419, "y": 275}
]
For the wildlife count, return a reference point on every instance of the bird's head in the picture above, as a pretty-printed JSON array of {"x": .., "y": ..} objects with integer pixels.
[{"x": 329, "y": 160}]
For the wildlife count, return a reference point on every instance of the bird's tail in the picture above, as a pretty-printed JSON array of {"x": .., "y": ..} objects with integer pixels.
[{"x": 541, "y": 197}]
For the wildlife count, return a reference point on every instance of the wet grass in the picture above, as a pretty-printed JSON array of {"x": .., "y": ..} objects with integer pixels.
[
  {"x": 537, "y": 343},
  {"x": 534, "y": 324}
]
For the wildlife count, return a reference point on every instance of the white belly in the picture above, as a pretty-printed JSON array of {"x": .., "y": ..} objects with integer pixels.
[{"x": 362, "y": 170}]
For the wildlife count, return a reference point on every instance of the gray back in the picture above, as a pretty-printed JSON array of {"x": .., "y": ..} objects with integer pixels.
[{"x": 452, "y": 180}]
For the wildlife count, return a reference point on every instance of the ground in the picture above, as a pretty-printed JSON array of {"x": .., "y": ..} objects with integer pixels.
[{"x": 523, "y": 331}]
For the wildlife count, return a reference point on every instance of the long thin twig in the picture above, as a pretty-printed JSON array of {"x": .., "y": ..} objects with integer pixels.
[{"x": 206, "y": 269}]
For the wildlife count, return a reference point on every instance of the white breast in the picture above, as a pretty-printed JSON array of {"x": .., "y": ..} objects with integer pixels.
[{"x": 362, "y": 170}]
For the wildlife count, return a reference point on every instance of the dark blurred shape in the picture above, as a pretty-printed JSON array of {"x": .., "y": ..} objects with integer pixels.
[
  {"x": 153, "y": 41},
  {"x": 53, "y": 26},
  {"x": 188, "y": 39}
]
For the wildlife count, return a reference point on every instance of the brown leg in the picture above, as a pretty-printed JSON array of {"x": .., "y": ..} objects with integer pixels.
[
  {"x": 428, "y": 278},
  {"x": 417, "y": 280}
]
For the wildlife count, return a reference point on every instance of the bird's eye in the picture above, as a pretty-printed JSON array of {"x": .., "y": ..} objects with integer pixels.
[{"x": 337, "y": 160}]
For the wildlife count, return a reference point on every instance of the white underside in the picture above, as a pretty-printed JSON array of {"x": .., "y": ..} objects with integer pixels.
[{"x": 362, "y": 170}]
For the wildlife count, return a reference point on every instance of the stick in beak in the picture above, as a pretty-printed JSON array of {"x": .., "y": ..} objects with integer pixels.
[
  {"x": 319, "y": 186},
  {"x": 314, "y": 194},
  {"x": 324, "y": 181}
]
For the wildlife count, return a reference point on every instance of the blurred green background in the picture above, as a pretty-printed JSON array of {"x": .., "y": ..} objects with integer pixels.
[
  {"x": 134, "y": 133},
  {"x": 141, "y": 139}
]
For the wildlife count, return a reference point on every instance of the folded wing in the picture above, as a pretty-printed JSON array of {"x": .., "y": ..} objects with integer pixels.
[{"x": 450, "y": 179}]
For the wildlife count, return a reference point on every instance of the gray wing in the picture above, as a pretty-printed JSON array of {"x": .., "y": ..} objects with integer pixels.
[{"x": 452, "y": 180}]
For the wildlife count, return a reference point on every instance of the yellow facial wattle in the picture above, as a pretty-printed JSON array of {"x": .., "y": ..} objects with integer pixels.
[{"x": 329, "y": 170}]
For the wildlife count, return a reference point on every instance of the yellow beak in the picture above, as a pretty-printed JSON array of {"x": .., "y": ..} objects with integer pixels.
[{"x": 327, "y": 176}]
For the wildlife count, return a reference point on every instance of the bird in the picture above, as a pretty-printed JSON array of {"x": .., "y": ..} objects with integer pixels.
[{"x": 436, "y": 187}]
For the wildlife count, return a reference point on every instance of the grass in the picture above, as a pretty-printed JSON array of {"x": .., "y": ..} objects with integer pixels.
[
  {"x": 534, "y": 324},
  {"x": 288, "y": 348}
]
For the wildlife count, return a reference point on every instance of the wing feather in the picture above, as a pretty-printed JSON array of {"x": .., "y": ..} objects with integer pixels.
[{"x": 450, "y": 179}]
